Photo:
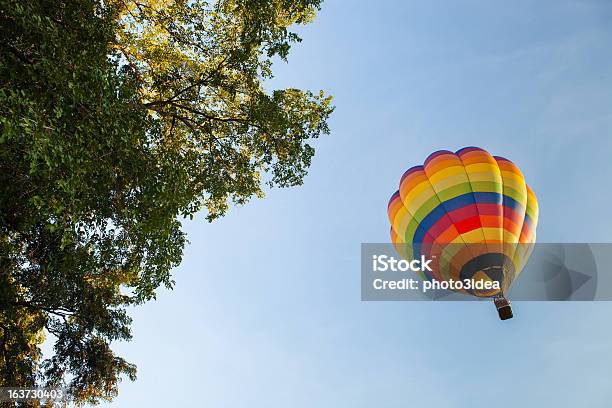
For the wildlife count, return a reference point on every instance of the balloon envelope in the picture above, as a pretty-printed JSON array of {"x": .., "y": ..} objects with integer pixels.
[{"x": 471, "y": 212}]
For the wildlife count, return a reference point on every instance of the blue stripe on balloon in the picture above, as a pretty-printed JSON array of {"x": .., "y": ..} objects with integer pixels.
[
  {"x": 528, "y": 221},
  {"x": 511, "y": 203}
]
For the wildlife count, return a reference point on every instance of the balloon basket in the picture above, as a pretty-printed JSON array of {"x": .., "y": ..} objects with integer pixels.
[{"x": 504, "y": 308}]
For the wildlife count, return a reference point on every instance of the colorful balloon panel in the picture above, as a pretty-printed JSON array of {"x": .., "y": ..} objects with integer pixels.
[{"x": 473, "y": 210}]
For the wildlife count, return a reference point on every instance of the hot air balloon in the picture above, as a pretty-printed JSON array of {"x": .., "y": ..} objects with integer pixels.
[{"x": 473, "y": 214}]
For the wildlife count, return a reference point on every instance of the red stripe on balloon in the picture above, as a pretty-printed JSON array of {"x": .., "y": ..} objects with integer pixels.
[{"x": 469, "y": 224}]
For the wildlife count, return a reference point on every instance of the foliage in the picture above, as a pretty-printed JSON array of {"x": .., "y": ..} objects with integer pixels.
[{"x": 117, "y": 119}]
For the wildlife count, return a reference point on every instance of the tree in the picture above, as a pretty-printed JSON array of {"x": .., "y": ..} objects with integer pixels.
[{"x": 118, "y": 119}]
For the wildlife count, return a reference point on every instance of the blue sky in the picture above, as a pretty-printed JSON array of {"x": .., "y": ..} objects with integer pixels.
[{"x": 266, "y": 311}]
